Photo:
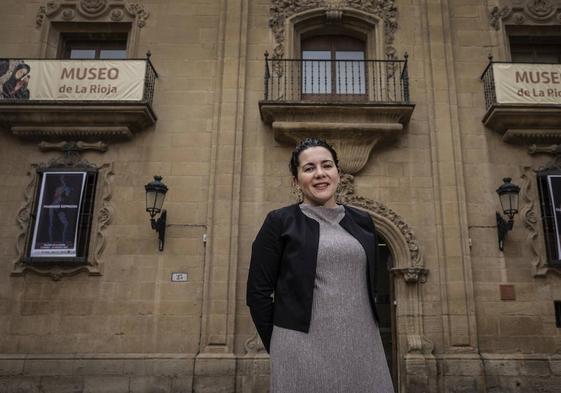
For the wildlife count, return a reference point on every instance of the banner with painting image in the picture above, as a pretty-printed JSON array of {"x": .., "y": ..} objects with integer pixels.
[
  {"x": 59, "y": 205},
  {"x": 67, "y": 80}
]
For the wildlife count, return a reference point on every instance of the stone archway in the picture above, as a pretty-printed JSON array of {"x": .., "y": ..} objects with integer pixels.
[{"x": 416, "y": 363}]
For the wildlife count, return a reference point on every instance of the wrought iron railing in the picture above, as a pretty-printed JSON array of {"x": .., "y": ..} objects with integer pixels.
[
  {"x": 16, "y": 73},
  {"x": 149, "y": 80},
  {"x": 489, "y": 85},
  {"x": 361, "y": 81}
]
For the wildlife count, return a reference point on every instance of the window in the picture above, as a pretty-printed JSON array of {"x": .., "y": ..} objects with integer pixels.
[
  {"x": 534, "y": 44},
  {"x": 535, "y": 49},
  {"x": 549, "y": 187},
  {"x": 94, "y": 46},
  {"x": 333, "y": 65},
  {"x": 59, "y": 231}
]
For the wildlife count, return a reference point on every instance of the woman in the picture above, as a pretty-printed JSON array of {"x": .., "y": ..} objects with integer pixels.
[
  {"x": 311, "y": 287},
  {"x": 16, "y": 86}
]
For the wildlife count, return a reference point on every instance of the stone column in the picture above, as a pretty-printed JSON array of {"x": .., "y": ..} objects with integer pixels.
[
  {"x": 449, "y": 188},
  {"x": 215, "y": 365}
]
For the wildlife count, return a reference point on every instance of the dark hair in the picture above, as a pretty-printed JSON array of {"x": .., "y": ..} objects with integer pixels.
[
  {"x": 21, "y": 66},
  {"x": 306, "y": 144}
]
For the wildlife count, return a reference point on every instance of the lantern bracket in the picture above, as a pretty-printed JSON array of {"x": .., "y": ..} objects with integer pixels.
[
  {"x": 159, "y": 226},
  {"x": 503, "y": 227}
]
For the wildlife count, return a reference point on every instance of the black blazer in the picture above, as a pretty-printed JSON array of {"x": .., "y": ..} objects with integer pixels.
[{"x": 282, "y": 271}]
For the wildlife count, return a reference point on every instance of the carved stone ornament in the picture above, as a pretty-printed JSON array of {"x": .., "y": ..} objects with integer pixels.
[
  {"x": 497, "y": 14},
  {"x": 530, "y": 11},
  {"x": 254, "y": 346},
  {"x": 114, "y": 10},
  {"x": 540, "y": 9},
  {"x": 282, "y": 9},
  {"x": 417, "y": 344},
  {"x": 103, "y": 213},
  {"x": 412, "y": 274},
  {"x": 530, "y": 209},
  {"x": 415, "y": 271}
]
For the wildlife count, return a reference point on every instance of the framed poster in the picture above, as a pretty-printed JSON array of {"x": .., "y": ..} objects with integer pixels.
[
  {"x": 549, "y": 187},
  {"x": 554, "y": 188},
  {"x": 60, "y": 199}
]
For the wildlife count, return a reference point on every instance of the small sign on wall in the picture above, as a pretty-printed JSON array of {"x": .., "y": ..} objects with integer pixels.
[{"x": 179, "y": 277}]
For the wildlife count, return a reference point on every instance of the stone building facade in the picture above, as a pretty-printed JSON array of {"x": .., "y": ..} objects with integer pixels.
[{"x": 424, "y": 140}]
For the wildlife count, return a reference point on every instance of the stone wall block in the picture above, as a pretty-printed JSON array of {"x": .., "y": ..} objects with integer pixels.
[
  {"x": 538, "y": 368},
  {"x": 46, "y": 367},
  {"x": 462, "y": 367},
  {"x": 215, "y": 367},
  {"x": 457, "y": 384},
  {"x": 539, "y": 385},
  {"x": 19, "y": 385},
  {"x": 61, "y": 385},
  {"x": 555, "y": 365},
  {"x": 182, "y": 385},
  {"x": 150, "y": 385},
  {"x": 501, "y": 367},
  {"x": 169, "y": 367},
  {"x": 110, "y": 384},
  {"x": 214, "y": 384},
  {"x": 99, "y": 367},
  {"x": 11, "y": 367}
]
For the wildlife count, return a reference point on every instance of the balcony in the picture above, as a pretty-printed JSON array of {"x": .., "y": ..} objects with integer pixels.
[
  {"x": 523, "y": 101},
  {"x": 355, "y": 104},
  {"x": 76, "y": 99}
]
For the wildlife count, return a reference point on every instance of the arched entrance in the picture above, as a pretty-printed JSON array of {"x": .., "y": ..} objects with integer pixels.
[
  {"x": 385, "y": 301},
  {"x": 409, "y": 352}
]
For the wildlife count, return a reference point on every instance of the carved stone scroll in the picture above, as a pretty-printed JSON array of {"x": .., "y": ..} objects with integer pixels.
[
  {"x": 414, "y": 270},
  {"x": 530, "y": 209},
  {"x": 529, "y": 215},
  {"x": 254, "y": 346}
]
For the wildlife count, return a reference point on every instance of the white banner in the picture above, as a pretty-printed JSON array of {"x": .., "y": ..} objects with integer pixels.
[
  {"x": 96, "y": 80},
  {"x": 527, "y": 83}
]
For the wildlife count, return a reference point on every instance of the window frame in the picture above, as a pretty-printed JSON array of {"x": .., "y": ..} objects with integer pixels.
[
  {"x": 334, "y": 44},
  {"x": 83, "y": 224},
  {"x": 551, "y": 227},
  {"x": 531, "y": 36},
  {"x": 97, "y": 41}
]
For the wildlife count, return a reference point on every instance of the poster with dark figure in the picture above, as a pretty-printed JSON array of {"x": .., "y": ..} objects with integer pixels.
[
  {"x": 554, "y": 185},
  {"x": 16, "y": 86},
  {"x": 56, "y": 228}
]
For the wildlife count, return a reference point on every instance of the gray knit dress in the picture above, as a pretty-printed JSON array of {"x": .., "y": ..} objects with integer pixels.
[{"x": 342, "y": 352}]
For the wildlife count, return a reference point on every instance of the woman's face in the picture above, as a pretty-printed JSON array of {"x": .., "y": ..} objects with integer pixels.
[
  {"x": 21, "y": 73},
  {"x": 318, "y": 176}
]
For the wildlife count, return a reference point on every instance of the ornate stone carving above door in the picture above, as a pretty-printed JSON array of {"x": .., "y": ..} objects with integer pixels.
[
  {"x": 525, "y": 12},
  {"x": 98, "y": 10},
  {"x": 281, "y": 10}
]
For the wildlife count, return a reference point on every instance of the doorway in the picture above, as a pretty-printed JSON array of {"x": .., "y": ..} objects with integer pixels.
[{"x": 385, "y": 305}]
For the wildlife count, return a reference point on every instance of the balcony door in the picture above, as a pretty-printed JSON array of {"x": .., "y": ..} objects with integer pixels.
[
  {"x": 535, "y": 49},
  {"x": 94, "y": 46},
  {"x": 333, "y": 68}
]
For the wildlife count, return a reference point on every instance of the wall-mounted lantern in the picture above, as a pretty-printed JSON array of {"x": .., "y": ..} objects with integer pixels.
[
  {"x": 508, "y": 196},
  {"x": 155, "y": 195}
]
